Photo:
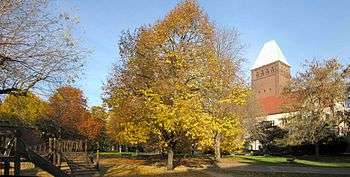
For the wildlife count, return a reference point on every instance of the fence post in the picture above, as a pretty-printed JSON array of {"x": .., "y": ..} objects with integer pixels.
[
  {"x": 85, "y": 148},
  {"x": 98, "y": 156},
  {"x": 54, "y": 151},
  {"x": 6, "y": 167},
  {"x": 59, "y": 151},
  {"x": 50, "y": 145},
  {"x": 70, "y": 146},
  {"x": 17, "y": 161},
  {"x": 80, "y": 145}
]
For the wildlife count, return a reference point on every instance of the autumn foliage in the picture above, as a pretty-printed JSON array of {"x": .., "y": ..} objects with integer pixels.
[
  {"x": 318, "y": 93},
  {"x": 68, "y": 107},
  {"x": 173, "y": 86},
  {"x": 28, "y": 109}
]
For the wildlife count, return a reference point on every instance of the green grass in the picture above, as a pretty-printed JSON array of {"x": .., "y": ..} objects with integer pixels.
[
  {"x": 323, "y": 161},
  {"x": 328, "y": 162},
  {"x": 126, "y": 167}
]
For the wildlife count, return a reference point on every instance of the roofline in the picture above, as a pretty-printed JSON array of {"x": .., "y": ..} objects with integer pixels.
[{"x": 270, "y": 64}]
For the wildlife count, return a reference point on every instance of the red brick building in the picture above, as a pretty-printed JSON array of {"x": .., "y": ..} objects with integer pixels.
[{"x": 269, "y": 75}]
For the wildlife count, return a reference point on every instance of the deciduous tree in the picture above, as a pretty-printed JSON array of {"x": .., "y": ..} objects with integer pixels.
[
  {"x": 267, "y": 134},
  {"x": 101, "y": 116},
  {"x": 37, "y": 47},
  {"x": 29, "y": 109},
  {"x": 316, "y": 94},
  {"x": 67, "y": 106},
  {"x": 157, "y": 93},
  {"x": 176, "y": 84},
  {"x": 226, "y": 91}
]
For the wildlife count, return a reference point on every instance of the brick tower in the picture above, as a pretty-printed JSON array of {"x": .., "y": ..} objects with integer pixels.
[{"x": 270, "y": 73}]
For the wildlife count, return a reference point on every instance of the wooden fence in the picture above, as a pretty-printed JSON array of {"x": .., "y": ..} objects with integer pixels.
[{"x": 55, "y": 148}]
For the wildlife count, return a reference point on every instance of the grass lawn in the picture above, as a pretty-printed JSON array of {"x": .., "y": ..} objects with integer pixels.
[
  {"x": 329, "y": 162},
  {"x": 124, "y": 167},
  {"x": 113, "y": 164},
  {"x": 323, "y": 161}
]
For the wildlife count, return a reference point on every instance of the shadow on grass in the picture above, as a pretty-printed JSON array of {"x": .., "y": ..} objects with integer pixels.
[
  {"x": 160, "y": 160},
  {"x": 326, "y": 159},
  {"x": 301, "y": 161},
  {"x": 190, "y": 167}
]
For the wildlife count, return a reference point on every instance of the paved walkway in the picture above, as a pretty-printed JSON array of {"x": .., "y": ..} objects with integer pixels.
[{"x": 282, "y": 169}]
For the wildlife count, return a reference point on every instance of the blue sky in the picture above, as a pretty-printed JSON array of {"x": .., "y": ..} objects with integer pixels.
[{"x": 303, "y": 29}]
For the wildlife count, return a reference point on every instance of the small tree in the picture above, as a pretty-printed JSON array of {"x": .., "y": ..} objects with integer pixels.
[
  {"x": 100, "y": 114},
  {"x": 67, "y": 107},
  {"x": 226, "y": 91},
  {"x": 251, "y": 114},
  {"x": 267, "y": 134},
  {"x": 29, "y": 109},
  {"x": 315, "y": 95}
]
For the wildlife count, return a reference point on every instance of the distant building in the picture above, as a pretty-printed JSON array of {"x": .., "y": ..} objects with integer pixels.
[{"x": 269, "y": 75}]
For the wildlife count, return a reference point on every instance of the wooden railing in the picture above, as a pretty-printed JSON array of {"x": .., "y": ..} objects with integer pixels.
[
  {"x": 55, "y": 148},
  {"x": 9, "y": 148},
  {"x": 48, "y": 155},
  {"x": 60, "y": 145}
]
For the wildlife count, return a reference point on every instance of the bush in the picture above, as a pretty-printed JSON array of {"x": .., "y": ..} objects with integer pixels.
[{"x": 336, "y": 146}]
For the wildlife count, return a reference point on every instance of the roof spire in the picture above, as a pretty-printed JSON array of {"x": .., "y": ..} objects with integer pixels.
[{"x": 269, "y": 53}]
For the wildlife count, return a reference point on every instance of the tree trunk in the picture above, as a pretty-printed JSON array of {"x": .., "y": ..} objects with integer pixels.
[
  {"x": 317, "y": 150},
  {"x": 170, "y": 159},
  {"x": 217, "y": 147}
]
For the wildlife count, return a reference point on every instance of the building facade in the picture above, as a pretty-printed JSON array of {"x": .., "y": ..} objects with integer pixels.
[{"x": 269, "y": 75}]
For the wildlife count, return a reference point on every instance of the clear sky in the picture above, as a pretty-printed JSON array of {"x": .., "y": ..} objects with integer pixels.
[{"x": 303, "y": 29}]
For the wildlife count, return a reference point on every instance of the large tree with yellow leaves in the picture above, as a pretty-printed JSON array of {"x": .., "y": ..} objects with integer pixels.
[{"x": 163, "y": 93}]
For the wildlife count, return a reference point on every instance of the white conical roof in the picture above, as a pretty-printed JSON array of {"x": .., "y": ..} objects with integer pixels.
[{"x": 269, "y": 53}]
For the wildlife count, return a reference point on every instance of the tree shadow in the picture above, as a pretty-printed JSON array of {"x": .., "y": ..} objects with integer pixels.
[
  {"x": 136, "y": 165},
  {"x": 194, "y": 167},
  {"x": 303, "y": 161},
  {"x": 256, "y": 161}
]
